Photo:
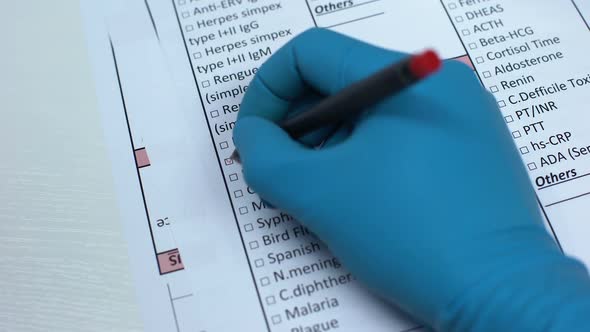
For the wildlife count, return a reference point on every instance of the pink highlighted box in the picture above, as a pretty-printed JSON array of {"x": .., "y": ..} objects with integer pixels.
[
  {"x": 466, "y": 60},
  {"x": 142, "y": 158},
  {"x": 170, "y": 261}
]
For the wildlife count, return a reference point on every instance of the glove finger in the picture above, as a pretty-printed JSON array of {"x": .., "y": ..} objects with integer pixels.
[
  {"x": 317, "y": 138},
  {"x": 270, "y": 158},
  {"x": 337, "y": 136},
  {"x": 436, "y": 102},
  {"x": 320, "y": 61},
  {"x": 314, "y": 138}
]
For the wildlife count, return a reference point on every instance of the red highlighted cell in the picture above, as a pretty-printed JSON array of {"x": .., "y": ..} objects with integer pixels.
[
  {"x": 142, "y": 158},
  {"x": 170, "y": 261},
  {"x": 466, "y": 60}
]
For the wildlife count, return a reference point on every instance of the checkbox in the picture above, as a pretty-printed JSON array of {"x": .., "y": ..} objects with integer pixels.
[
  {"x": 532, "y": 166},
  {"x": 264, "y": 281},
  {"x": 205, "y": 84},
  {"x": 509, "y": 119},
  {"x": 223, "y": 145},
  {"x": 214, "y": 114},
  {"x": 466, "y": 32},
  {"x": 524, "y": 150},
  {"x": 238, "y": 193},
  {"x": 472, "y": 46},
  {"x": 276, "y": 319},
  {"x": 452, "y": 6},
  {"x": 494, "y": 89},
  {"x": 270, "y": 300},
  {"x": 186, "y": 14},
  {"x": 459, "y": 19},
  {"x": 229, "y": 161},
  {"x": 259, "y": 262},
  {"x": 501, "y": 103},
  {"x": 516, "y": 134},
  {"x": 233, "y": 177},
  {"x": 479, "y": 59},
  {"x": 487, "y": 74},
  {"x": 197, "y": 55},
  {"x": 243, "y": 210},
  {"x": 189, "y": 28},
  {"x": 254, "y": 245},
  {"x": 249, "y": 227}
]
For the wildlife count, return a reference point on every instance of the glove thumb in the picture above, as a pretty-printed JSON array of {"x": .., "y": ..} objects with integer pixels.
[{"x": 271, "y": 159}]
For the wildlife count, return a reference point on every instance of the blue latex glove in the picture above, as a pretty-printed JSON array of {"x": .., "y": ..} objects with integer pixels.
[{"x": 426, "y": 201}]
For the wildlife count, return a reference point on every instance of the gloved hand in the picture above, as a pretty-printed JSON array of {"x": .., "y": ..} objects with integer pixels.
[{"x": 426, "y": 200}]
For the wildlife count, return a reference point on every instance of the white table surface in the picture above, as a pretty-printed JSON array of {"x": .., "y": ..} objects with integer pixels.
[{"x": 63, "y": 256}]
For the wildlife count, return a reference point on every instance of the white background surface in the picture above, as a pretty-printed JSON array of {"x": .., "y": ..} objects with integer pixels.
[{"x": 63, "y": 257}]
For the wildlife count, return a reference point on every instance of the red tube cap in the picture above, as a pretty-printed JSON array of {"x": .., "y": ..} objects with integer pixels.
[{"x": 424, "y": 64}]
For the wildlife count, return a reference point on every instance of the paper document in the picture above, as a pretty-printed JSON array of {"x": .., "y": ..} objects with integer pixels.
[{"x": 208, "y": 254}]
